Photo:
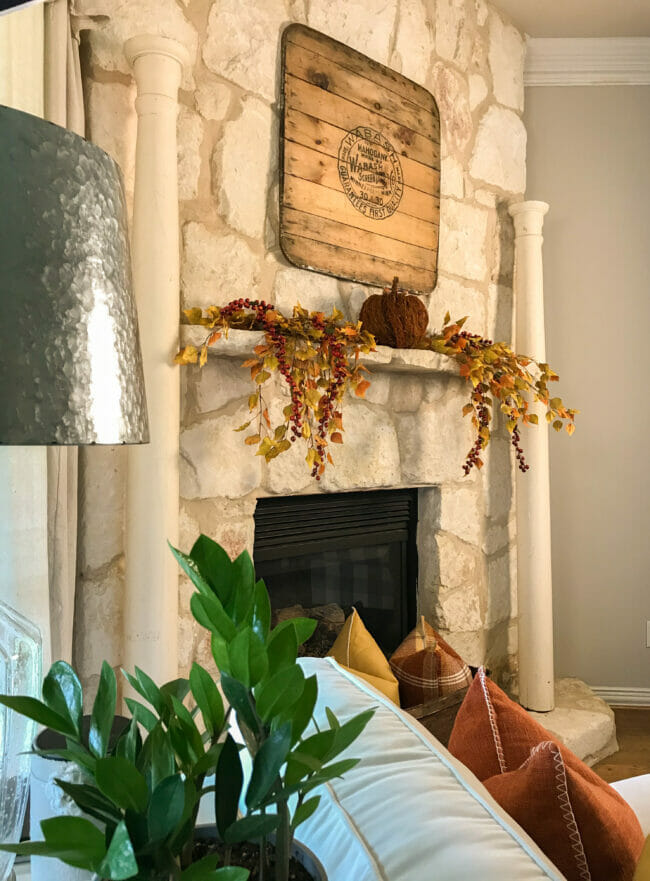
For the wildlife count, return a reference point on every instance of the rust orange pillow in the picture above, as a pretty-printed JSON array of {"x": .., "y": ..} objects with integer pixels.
[
  {"x": 427, "y": 667},
  {"x": 588, "y": 831}
]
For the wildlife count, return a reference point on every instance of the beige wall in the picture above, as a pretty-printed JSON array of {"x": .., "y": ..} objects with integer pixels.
[{"x": 588, "y": 156}]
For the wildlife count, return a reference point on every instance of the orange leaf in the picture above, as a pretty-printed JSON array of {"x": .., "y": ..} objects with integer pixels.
[
  {"x": 360, "y": 390},
  {"x": 252, "y": 362},
  {"x": 329, "y": 459},
  {"x": 337, "y": 438},
  {"x": 214, "y": 337},
  {"x": 252, "y": 439}
]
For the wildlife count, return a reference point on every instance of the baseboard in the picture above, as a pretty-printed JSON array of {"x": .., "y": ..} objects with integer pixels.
[{"x": 623, "y": 697}]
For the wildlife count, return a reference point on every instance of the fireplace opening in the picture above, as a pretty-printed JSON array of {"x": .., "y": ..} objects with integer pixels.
[{"x": 332, "y": 552}]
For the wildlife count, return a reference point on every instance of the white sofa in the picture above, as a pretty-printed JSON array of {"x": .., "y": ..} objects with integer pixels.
[{"x": 410, "y": 811}]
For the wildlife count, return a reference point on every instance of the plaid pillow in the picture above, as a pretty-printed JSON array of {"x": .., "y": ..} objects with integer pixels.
[{"x": 427, "y": 667}]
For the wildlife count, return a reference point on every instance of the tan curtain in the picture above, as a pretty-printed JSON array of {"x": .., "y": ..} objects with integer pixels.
[{"x": 63, "y": 105}]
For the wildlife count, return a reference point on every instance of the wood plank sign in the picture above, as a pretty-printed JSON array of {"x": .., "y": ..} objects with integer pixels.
[{"x": 360, "y": 166}]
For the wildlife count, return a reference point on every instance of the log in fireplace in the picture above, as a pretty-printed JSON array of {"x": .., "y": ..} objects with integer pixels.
[{"x": 348, "y": 549}]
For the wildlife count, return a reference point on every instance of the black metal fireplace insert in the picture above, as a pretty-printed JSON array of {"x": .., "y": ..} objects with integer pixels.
[{"x": 353, "y": 549}]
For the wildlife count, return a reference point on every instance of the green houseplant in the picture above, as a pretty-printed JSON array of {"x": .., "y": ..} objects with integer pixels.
[
  {"x": 141, "y": 792},
  {"x": 273, "y": 702}
]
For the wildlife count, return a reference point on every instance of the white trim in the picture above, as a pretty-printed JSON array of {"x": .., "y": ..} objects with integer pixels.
[
  {"x": 622, "y": 696},
  {"x": 587, "y": 61}
]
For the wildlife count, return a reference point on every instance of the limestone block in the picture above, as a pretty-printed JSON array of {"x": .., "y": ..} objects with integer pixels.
[
  {"x": 215, "y": 461},
  {"x": 125, "y": 19},
  {"x": 463, "y": 240},
  {"x": 213, "y": 100},
  {"x": 477, "y": 90},
  {"x": 461, "y": 513},
  {"x": 314, "y": 292},
  {"x": 435, "y": 388},
  {"x": 506, "y": 54},
  {"x": 459, "y": 563},
  {"x": 502, "y": 596},
  {"x": 414, "y": 41},
  {"x": 504, "y": 253},
  {"x": 102, "y": 486},
  {"x": 451, "y": 178},
  {"x": 452, "y": 94},
  {"x": 190, "y": 137},
  {"x": 459, "y": 300},
  {"x": 499, "y": 313},
  {"x": 497, "y": 475},
  {"x": 380, "y": 388},
  {"x": 482, "y": 12},
  {"x": 228, "y": 521},
  {"x": 289, "y": 472},
  {"x": 242, "y": 43},
  {"x": 98, "y": 622},
  {"x": 357, "y": 295},
  {"x": 220, "y": 381},
  {"x": 454, "y": 30},
  {"x": 216, "y": 268},
  {"x": 365, "y": 25},
  {"x": 458, "y": 611},
  {"x": 485, "y": 197},
  {"x": 499, "y": 156},
  {"x": 406, "y": 392},
  {"x": 188, "y": 532},
  {"x": 112, "y": 123},
  {"x": 470, "y": 645},
  {"x": 369, "y": 455},
  {"x": 434, "y": 441},
  {"x": 241, "y": 166},
  {"x": 498, "y": 536}
]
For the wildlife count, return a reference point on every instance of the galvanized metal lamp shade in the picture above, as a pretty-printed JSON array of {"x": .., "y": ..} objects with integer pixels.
[{"x": 70, "y": 362}]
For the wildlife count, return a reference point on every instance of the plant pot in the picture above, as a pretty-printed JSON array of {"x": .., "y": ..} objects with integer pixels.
[
  {"x": 299, "y": 852},
  {"x": 47, "y": 800}
]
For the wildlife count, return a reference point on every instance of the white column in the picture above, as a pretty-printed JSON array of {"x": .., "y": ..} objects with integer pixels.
[
  {"x": 151, "y": 603},
  {"x": 534, "y": 585}
]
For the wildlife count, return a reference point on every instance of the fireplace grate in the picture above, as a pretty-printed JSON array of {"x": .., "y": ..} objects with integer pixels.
[{"x": 347, "y": 549}]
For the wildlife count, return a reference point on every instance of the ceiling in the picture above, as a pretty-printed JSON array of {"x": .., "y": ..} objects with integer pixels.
[{"x": 579, "y": 18}]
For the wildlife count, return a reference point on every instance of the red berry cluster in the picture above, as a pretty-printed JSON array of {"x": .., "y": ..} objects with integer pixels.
[
  {"x": 483, "y": 418},
  {"x": 521, "y": 461}
]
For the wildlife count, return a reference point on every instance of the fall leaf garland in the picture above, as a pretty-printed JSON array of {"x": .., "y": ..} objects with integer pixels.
[{"x": 318, "y": 357}]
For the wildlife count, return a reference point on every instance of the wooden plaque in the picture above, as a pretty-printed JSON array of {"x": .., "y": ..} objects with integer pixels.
[{"x": 360, "y": 166}]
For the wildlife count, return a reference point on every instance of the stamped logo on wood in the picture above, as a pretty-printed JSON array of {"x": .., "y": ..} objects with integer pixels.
[{"x": 370, "y": 172}]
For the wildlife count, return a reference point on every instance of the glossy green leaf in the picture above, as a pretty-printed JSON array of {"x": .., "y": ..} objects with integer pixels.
[
  {"x": 244, "y": 589},
  {"x": 129, "y": 743},
  {"x": 215, "y": 566},
  {"x": 280, "y": 692},
  {"x": 120, "y": 862},
  {"x": 146, "y": 689},
  {"x": 208, "y": 761},
  {"x": 201, "y": 870},
  {"x": 121, "y": 781},
  {"x": 282, "y": 648},
  {"x": 103, "y": 713},
  {"x": 141, "y": 714},
  {"x": 166, "y": 807},
  {"x": 208, "y": 699},
  {"x": 229, "y": 782},
  {"x": 90, "y": 800},
  {"x": 191, "y": 569},
  {"x": 347, "y": 733},
  {"x": 266, "y": 765},
  {"x": 300, "y": 714},
  {"x": 238, "y": 697},
  {"x": 74, "y": 840},
  {"x": 62, "y": 693},
  {"x": 230, "y": 873},
  {"x": 252, "y": 828},
  {"x": 179, "y": 688},
  {"x": 304, "y": 811},
  {"x": 210, "y": 614},
  {"x": 261, "y": 618},
  {"x": 188, "y": 725},
  {"x": 219, "y": 648},
  {"x": 40, "y": 713}
]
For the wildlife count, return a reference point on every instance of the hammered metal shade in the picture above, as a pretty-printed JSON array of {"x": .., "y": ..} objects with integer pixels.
[{"x": 70, "y": 363}]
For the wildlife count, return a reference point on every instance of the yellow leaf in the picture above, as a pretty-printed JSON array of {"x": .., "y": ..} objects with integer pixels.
[
  {"x": 188, "y": 355},
  {"x": 284, "y": 445},
  {"x": 532, "y": 417},
  {"x": 244, "y": 426},
  {"x": 262, "y": 376},
  {"x": 555, "y": 403},
  {"x": 280, "y": 432},
  {"x": 272, "y": 453},
  {"x": 193, "y": 315},
  {"x": 264, "y": 447},
  {"x": 252, "y": 401},
  {"x": 310, "y": 458},
  {"x": 447, "y": 318},
  {"x": 306, "y": 430},
  {"x": 510, "y": 425},
  {"x": 203, "y": 360},
  {"x": 570, "y": 428},
  {"x": 557, "y": 425},
  {"x": 252, "y": 439}
]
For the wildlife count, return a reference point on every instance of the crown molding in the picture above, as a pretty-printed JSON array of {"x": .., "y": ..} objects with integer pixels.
[
  {"x": 623, "y": 696},
  {"x": 587, "y": 61}
]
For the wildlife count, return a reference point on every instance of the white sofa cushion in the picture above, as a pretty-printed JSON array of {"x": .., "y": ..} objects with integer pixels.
[
  {"x": 409, "y": 811},
  {"x": 636, "y": 792}
]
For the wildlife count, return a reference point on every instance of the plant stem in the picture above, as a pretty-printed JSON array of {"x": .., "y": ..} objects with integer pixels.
[{"x": 283, "y": 843}]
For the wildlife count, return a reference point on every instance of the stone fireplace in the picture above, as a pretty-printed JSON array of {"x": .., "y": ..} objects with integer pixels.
[{"x": 407, "y": 434}]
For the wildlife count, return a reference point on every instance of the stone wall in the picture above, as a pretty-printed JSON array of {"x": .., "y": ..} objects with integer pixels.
[{"x": 409, "y": 429}]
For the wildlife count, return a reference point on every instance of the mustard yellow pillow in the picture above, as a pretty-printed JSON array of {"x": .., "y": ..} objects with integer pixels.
[
  {"x": 357, "y": 651},
  {"x": 643, "y": 866}
]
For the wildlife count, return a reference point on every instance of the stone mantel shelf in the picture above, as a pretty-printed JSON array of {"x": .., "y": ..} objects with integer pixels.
[{"x": 240, "y": 344}]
